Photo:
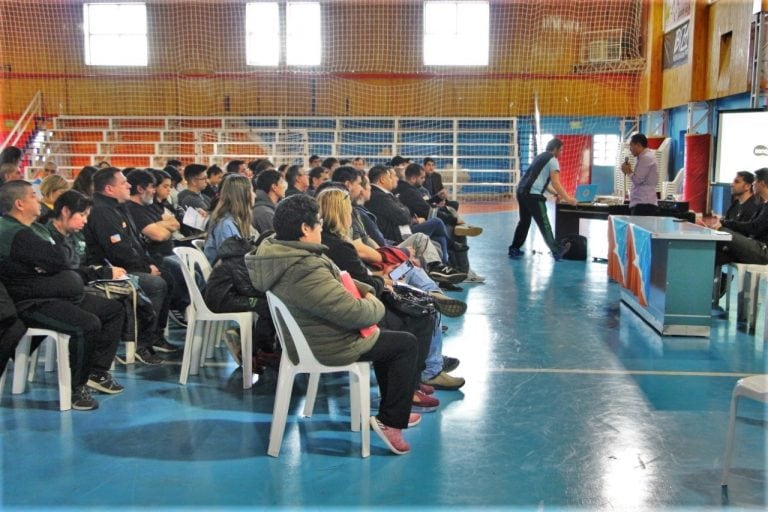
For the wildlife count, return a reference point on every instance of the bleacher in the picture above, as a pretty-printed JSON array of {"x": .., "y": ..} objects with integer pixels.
[{"x": 478, "y": 157}]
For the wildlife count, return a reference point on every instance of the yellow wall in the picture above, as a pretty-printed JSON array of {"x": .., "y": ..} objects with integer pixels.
[{"x": 372, "y": 63}]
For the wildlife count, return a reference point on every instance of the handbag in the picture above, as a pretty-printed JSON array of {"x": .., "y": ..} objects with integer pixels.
[{"x": 409, "y": 301}]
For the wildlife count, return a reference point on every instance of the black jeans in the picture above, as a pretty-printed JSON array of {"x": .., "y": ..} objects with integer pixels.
[
  {"x": 394, "y": 362},
  {"x": 94, "y": 326},
  {"x": 421, "y": 328},
  {"x": 157, "y": 289},
  {"x": 741, "y": 249},
  {"x": 533, "y": 206}
]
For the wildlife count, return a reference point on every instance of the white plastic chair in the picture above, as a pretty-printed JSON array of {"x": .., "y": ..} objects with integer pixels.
[
  {"x": 745, "y": 277},
  {"x": 755, "y": 388},
  {"x": 359, "y": 377},
  {"x": 198, "y": 243},
  {"x": 23, "y": 368},
  {"x": 672, "y": 188},
  {"x": 198, "y": 312}
]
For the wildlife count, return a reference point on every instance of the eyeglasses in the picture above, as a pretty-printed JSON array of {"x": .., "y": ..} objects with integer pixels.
[{"x": 320, "y": 221}]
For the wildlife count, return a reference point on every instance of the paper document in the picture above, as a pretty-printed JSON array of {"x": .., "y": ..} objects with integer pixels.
[{"x": 193, "y": 219}]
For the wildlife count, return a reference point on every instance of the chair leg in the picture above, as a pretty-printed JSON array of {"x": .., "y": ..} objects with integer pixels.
[
  {"x": 2, "y": 378},
  {"x": 365, "y": 409},
  {"x": 186, "y": 359},
  {"x": 354, "y": 401},
  {"x": 197, "y": 348},
  {"x": 729, "y": 437},
  {"x": 33, "y": 357},
  {"x": 50, "y": 354},
  {"x": 209, "y": 341},
  {"x": 312, "y": 385},
  {"x": 280, "y": 411},
  {"x": 20, "y": 365},
  {"x": 246, "y": 349},
  {"x": 130, "y": 352},
  {"x": 65, "y": 372}
]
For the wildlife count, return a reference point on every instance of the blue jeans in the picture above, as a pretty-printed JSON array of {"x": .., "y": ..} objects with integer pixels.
[
  {"x": 434, "y": 363},
  {"x": 435, "y": 229}
]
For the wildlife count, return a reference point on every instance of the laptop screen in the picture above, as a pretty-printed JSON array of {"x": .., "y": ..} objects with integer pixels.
[{"x": 586, "y": 193}]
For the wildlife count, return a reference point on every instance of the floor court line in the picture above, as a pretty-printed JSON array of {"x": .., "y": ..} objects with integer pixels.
[{"x": 591, "y": 371}]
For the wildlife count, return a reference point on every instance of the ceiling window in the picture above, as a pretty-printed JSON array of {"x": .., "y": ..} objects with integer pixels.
[
  {"x": 266, "y": 45},
  {"x": 115, "y": 34},
  {"x": 456, "y": 33}
]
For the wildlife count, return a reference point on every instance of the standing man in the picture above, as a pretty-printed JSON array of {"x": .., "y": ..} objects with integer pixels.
[
  {"x": 543, "y": 172},
  {"x": 645, "y": 177}
]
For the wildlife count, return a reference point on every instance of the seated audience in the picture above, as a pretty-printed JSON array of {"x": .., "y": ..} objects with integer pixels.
[
  {"x": 50, "y": 189},
  {"x": 112, "y": 238},
  {"x": 157, "y": 228},
  {"x": 750, "y": 237},
  {"x": 232, "y": 216},
  {"x": 197, "y": 179},
  {"x": 317, "y": 176},
  {"x": 49, "y": 294},
  {"x": 297, "y": 179},
  {"x": 745, "y": 204},
  {"x": 215, "y": 175},
  {"x": 84, "y": 181},
  {"x": 270, "y": 188},
  {"x": 292, "y": 266},
  {"x": 229, "y": 289},
  {"x": 336, "y": 212}
]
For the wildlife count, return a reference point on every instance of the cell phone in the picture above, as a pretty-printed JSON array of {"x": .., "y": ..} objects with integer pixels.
[{"x": 401, "y": 270}]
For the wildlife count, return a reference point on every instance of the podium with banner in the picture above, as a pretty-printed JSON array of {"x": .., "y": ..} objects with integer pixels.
[{"x": 665, "y": 268}]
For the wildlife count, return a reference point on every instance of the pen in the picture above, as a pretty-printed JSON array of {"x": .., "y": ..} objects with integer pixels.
[{"x": 109, "y": 264}]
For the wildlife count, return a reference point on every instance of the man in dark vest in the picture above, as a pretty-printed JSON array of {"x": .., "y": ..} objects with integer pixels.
[{"x": 543, "y": 173}]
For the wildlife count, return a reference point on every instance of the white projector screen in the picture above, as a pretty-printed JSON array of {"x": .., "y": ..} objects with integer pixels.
[{"x": 742, "y": 143}]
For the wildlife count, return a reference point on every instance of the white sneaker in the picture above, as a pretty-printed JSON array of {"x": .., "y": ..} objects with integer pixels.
[{"x": 474, "y": 278}]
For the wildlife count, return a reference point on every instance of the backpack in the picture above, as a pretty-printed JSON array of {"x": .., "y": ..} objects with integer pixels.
[{"x": 577, "y": 249}]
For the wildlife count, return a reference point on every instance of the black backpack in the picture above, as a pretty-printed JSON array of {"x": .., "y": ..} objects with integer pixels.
[{"x": 577, "y": 249}]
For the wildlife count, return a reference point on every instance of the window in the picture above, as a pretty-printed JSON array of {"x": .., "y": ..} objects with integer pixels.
[
  {"x": 456, "y": 33},
  {"x": 302, "y": 41},
  {"x": 115, "y": 34},
  {"x": 605, "y": 148},
  {"x": 262, "y": 34}
]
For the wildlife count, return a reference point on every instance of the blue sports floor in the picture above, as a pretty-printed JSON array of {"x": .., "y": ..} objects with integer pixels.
[{"x": 571, "y": 403}]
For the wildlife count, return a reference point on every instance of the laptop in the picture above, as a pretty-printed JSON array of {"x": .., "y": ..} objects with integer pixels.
[{"x": 585, "y": 194}]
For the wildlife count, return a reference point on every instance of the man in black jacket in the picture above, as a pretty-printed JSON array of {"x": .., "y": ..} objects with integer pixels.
[
  {"x": 750, "y": 237},
  {"x": 49, "y": 295},
  {"x": 111, "y": 238}
]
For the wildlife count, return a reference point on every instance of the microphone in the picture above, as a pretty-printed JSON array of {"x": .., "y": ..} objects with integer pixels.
[{"x": 626, "y": 159}]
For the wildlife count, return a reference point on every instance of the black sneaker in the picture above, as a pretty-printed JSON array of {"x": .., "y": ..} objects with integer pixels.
[
  {"x": 178, "y": 317},
  {"x": 445, "y": 274},
  {"x": 82, "y": 399},
  {"x": 147, "y": 356},
  {"x": 450, "y": 287},
  {"x": 450, "y": 364},
  {"x": 105, "y": 383},
  {"x": 448, "y": 306},
  {"x": 162, "y": 345}
]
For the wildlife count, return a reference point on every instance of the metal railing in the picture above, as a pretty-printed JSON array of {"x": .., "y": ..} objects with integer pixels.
[{"x": 27, "y": 121}]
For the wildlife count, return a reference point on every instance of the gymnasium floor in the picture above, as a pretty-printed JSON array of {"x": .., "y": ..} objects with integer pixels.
[{"x": 571, "y": 403}]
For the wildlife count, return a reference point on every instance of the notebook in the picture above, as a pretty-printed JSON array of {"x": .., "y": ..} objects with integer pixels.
[
  {"x": 585, "y": 194},
  {"x": 349, "y": 284}
]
